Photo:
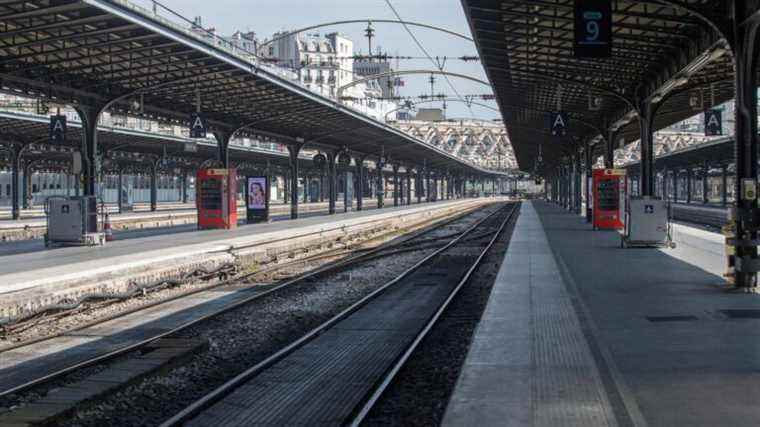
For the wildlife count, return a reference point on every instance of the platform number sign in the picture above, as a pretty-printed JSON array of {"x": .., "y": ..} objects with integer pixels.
[
  {"x": 198, "y": 126},
  {"x": 593, "y": 28},
  {"x": 713, "y": 122},
  {"x": 558, "y": 124},
  {"x": 57, "y": 129}
]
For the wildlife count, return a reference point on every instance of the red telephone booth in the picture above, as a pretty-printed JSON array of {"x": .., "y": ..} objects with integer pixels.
[
  {"x": 609, "y": 187},
  {"x": 216, "y": 198}
]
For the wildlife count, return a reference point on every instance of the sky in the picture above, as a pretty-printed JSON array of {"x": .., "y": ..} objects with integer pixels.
[{"x": 266, "y": 17}]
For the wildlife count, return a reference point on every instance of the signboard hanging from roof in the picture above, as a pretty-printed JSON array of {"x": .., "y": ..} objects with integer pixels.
[
  {"x": 198, "y": 126},
  {"x": 713, "y": 122},
  {"x": 558, "y": 123},
  {"x": 593, "y": 29},
  {"x": 58, "y": 129}
]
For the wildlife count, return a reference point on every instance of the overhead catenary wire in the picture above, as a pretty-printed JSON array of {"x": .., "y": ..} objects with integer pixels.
[{"x": 427, "y": 54}]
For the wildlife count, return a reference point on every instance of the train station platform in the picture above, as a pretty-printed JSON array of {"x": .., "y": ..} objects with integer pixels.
[
  {"x": 37, "y": 278},
  {"x": 167, "y": 216},
  {"x": 579, "y": 332}
]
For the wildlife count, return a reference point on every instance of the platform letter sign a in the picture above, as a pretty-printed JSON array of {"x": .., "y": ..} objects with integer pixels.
[
  {"x": 558, "y": 124},
  {"x": 593, "y": 28},
  {"x": 57, "y": 129},
  {"x": 713, "y": 122},
  {"x": 198, "y": 126}
]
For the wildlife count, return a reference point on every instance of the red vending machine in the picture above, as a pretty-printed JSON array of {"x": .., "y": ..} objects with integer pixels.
[
  {"x": 216, "y": 199},
  {"x": 610, "y": 186}
]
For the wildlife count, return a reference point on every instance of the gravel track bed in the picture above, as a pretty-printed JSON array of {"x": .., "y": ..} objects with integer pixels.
[
  {"x": 245, "y": 336},
  {"x": 420, "y": 392}
]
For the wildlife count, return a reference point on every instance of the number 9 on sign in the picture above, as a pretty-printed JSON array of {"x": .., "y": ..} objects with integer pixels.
[
  {"x": 593, "y": 28},
  {"x": 592, "y": 31}
]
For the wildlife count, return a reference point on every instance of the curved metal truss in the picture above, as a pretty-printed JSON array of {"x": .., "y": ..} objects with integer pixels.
[
  {"x": 664, "y": 143},
  {"x": 483, "y": 143}
]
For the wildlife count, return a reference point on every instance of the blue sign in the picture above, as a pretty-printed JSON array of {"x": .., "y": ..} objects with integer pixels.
[
  {"x": 593, "y": 29},
  {"x": 558, "y": 124},
  {"x": 713, "y": 122},
  {"x": 57, "y": 129},
  {"x": 198, "y": 126}
]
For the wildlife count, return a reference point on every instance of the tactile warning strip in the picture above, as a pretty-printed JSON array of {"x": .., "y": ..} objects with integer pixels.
[{"x": 529, "y": 363}]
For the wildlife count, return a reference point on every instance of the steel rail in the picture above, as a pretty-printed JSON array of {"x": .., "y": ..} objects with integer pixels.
[
  {"x": 391, "y": 374},
  {"x": 230, "y": 386},
  {"x": 326, "y": 269}
]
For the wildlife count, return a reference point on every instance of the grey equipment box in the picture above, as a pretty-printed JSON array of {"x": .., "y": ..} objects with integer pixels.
[
  {"x": 72, "y": 221},
  {"x": 647, "y": 223}
]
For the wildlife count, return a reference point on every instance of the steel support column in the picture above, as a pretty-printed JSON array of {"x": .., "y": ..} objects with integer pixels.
[
  {"x": 676, "y": 172},
  {"x": 578, "y": 180},
  {"x": 689, "y": 173},
  {"x": 306, "y": 189},
  {"x": 395, "y": 185},
  {"x": 705, "y": 186},
  {"x": 184, "y": 185},
  {"x": 26, "y": 185},
  {"x": 408, "y": 187},
  {"x": 15, "y": 169},
  {"x": 724, "y": 185},
  {"x": 89, "y": 117},
  {"x": 588, "y": 157},
  {"x": 332, "y": 181},
  {"x": 418, "y": 186},
  {"x": 745, "y": 47},
  {"x": 223, "y": 148},
  {"x": 322, "y": 186},
  {"x": 153, "y": 186},
  {"x": 360, "y": 182},
  {"x": 294, "y": 150},
  {"x": 647, "y": 111},
  {"x": 609, "y": 149},
  {"x": 380, "y": 185},
  {"x": 285, "y": 188},
  {"x": 428, "y": 189},
  {"x": 119, "y": 200}
]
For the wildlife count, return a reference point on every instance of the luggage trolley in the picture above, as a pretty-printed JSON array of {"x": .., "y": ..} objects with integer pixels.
[
  {"x": 72, "y": 221},
  {"x": 647, "y": 223}
]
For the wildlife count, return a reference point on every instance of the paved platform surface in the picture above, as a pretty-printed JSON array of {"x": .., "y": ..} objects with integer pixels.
[
  {"x": 666, "y": 351},
  {"x": 36, "y": 217},
  {"x": 529, "y": 363},
  {"x": 278, "y": 213},
  {"x": 18, "y": 270}
]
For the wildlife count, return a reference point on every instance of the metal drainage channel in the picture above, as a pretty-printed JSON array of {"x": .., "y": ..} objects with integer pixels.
[
  {"x": 334, "y": 374},
  {"x": 406, "y": 244}
]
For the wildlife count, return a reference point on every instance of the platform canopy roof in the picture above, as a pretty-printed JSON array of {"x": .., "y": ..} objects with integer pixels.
[
  {"x": 135, "y": 149},
  {"x": 112, "y": 54},
  {"x": 669, "y": 52}
]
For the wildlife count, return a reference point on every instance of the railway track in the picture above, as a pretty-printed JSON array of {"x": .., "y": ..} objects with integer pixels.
[
  {"x": 711, "y": 216},
  {"x": 335, "y": 373},
  {"x": 353, "y": 256}
]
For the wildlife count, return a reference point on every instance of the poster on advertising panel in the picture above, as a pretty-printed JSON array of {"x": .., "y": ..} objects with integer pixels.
[{"x": 257, "y": 199}]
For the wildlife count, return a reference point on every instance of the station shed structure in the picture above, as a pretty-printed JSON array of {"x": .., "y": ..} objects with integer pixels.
[{"x": 655, "y": 62}]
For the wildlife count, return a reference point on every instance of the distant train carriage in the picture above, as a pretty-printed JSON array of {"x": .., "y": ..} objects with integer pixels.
[{"x": 136, "y": 187}]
